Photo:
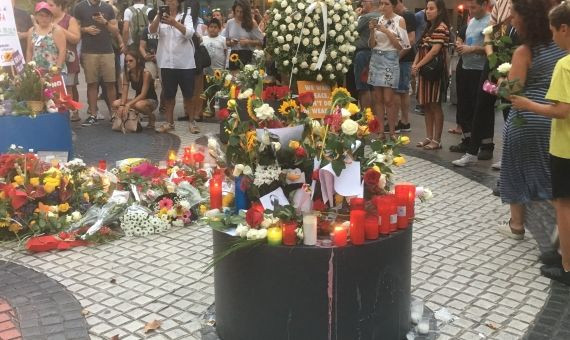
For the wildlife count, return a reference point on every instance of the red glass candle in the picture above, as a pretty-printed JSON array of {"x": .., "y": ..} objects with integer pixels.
[
  {"x": 383, "y": 208},
  {"x": 357, "y": 226},
  {"x": 289, "y": 234},
  {"x": 411, "y": 209},
  {"x": 357, "y": 204},
  {"x": 216, "y": 192},
  {"x": 405, "y": 197},
  {"x": 102, "y": 164},
  {"x": 393, "y": 212},
  {"x": 339, "y": 236},
  {"x": 371, "y": 227}
]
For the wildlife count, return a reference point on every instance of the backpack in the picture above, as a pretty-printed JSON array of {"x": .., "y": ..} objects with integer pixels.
[{"x": 137, "y": 24}]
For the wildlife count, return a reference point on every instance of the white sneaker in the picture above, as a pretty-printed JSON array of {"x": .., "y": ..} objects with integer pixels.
[
  {"x": 505, "y": 229},
  {"x": 100, "y": 116},
  {"x": 465, "y": 160},
  {"x": 496, "y": 166}
]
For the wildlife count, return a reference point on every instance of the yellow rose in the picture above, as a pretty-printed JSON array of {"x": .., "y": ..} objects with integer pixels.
[
  {"x": 19, "y": 180},
  {"x": 368, "y": 115},
  {"x": 227, "y": 200},
  {"x": 294, "y": 144},
  {"x": 405, "y": 140},
  {"x": 63, "y": 208},
  {"x": 338, "y": 199},
  {"x": 353, "y": 109},
  {"x": 203, "y": 209},
  {"x": 232, "y": 92},
  {"x": 363, "y": 131},
  {"x": 231, "y": 103},
  {"x": 376, "y": 168},
  {"x": 35, "y": 181},
  {"x": 399, "y": 160},
  {"x": 86, "y": 197},
  {"x": 49, "y": 187}
]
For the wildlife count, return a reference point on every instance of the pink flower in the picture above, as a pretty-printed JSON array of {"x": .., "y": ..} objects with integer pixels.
[
  {"x": 490, "y": 87},
  {"x": 165, "y": 203},
  {"x": 186, "y": 217},
  {"x": 48, "y": 93}
]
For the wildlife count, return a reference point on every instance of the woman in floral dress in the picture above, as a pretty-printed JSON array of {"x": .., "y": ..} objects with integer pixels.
[{"x": 46, "y": 41}]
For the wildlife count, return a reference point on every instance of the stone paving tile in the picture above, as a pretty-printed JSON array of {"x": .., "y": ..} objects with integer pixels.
[{"x": 456, "y": 258}]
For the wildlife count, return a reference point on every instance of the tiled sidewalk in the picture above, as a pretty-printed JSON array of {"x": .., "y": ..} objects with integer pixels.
[
  {"x": 9, "y": 325},
  {"x": 459, "y": 262}
]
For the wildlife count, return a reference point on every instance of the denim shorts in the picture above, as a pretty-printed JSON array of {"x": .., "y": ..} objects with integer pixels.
[
  {"x": 384, "y": 70},
  {"x": 405, "y": 77},
  {"x": 361, "y": 62}
]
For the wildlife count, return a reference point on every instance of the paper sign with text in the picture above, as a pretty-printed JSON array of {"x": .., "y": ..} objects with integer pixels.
[
  {"x": 9, "y": 42},
  {"x": 58, "y": 85},
  {"x": 322, "y": 93}
]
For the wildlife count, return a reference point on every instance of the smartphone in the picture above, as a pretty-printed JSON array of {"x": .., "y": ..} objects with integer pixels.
[
  {"x": 162, "y": 9},
  {"x": 96, "y": 14}
]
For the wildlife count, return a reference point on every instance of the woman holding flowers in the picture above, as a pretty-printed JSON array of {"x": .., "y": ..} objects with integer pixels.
[
  {"x": 387, "y": 37},
  {"x": 525, "y": 171},
  {"x": 46, "y": 41},
  {"x": 431, "y": 92}
]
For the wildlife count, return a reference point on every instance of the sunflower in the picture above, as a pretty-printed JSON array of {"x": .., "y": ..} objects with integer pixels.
[
  {"x": 7, "y": 56},
  {"x": 251, "y": 140},
  {"x": 368, "y": 115},
  {"x": 287, "y": 106},
  {"x": 234, "y": 58},
  {"x": 15, "y": 228},
  {"x": 340, "y": 90},
  {"x": 250, "y": 108},
  {"x": 218, "y": 74}
]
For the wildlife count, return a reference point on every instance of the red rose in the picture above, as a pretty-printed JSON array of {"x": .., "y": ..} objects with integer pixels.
[
  {"x": 198, "y": 157},
  {"x": 63, "y": 235},
  {"x": 371, "y": 177},
  {"x": 315, "y": 175},
  {"x": 254, "y": 215},
  {"x": 223, "y": 114},
  {"x": 374, "y": 126},
  {"x": 300, "y": 152},
  {"x": 274, "y": 124},
  {"x": 306, "y": 98},
  {"x": 281, "y": 92},
  {"x": 105, "y": 230},
  {"x": 319, "y": 205}
]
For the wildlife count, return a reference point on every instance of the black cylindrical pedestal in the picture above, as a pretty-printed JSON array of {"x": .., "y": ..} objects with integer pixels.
[{"x": 313, "y": 293}]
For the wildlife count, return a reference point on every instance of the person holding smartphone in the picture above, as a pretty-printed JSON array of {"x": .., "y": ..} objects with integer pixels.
[
  {"x": 242, "y": 34},
  {"x": 175, "y": 58},
  {"x": 98, "y": 25}
]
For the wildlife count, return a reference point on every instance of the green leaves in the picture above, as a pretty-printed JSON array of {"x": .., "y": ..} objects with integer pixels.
[{"x": 338, "y": 165}]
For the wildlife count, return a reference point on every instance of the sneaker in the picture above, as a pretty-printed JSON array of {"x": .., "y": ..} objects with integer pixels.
[
  {"x": 551, "y": 258},
  {"x": 462, "y": 147},
  {"x": 485, "y": 154},
  {"x": 505, "y": 229},
  {"x": 556, "y": 273},
  {"x": 496, "y": 166},
  {"x": 91, "y": 120},
  {"x": 418, "y": 109},
  {"x": 100, "y": 116},
  {"x": 401, "y": 127},
  {"x": 497, "y": 189},
  {"x": 465, "y": 160}
]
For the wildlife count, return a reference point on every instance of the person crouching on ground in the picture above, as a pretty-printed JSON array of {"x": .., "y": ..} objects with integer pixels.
[
  {"x": 559, "y": 111},
  {"x": 141, "y": 81}
]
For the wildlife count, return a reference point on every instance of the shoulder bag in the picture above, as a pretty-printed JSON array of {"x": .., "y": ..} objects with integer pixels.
[{"x": 433, "y": 70}]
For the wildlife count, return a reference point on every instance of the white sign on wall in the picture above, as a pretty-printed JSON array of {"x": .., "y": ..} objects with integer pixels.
[{"x": 9, "y": 42}]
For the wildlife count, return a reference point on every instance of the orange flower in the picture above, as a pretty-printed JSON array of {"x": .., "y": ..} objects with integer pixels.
[{"x": 43, "y": 208}]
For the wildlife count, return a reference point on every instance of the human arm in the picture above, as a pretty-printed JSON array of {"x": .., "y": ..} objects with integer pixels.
[
  {"x": 520, "y": 64},
  {"x": 255, "y": 38},
  {"x": 466, "y": 49},
  {"x": 393, "y": 39},
  {"x": 186, "y": 28},
  {"x": 414, "y": 63},
  {"x": 153, "y": 27},
  {"x": 557, "y": 110},
  {"x": 29, "y": 47},
  {"x": 59, "y": 39},
  {"x": 108, "y": 21},
  {"x": 411, "y": 31},
  {"x": 72, "y": 33},
  {"x": 125, "y": 33},
  {"x": 124, "y": 95}
]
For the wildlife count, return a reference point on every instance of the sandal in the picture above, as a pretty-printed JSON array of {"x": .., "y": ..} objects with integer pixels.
[
  {"x": 75, "y": 116},
  {"x": 431, "y": 145},
  {"x": 423, "y": 143},
  {"x": 165, "y": 128},
  {"x": 194, "y": 128},
  {"x": 151, "y": 121}
]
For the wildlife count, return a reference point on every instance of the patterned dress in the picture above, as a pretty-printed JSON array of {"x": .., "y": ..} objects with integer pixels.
[
  {"x": 45, "y": 50},
  {"x": 525, "y": 165},
  {"x": 433, "y": 91}
]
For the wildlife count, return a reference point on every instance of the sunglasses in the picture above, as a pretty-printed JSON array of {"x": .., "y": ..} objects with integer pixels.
[{"x": 216, "y": 10}]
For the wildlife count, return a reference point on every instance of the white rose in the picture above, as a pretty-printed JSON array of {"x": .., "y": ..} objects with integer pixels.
[
  {"x": 344, "y": 22},
  {"x": 316, "y": 31},
  {"x": 285, "y": 62},
  {"x": 277, "y": 17},
  {"x": 338, "y": 27},
  {"x": 333, "y": 54},
  {"x": 245, "y": 94},
  {"x": 344, "y": 59},
  {"x": 288, "y": 20},
  {"x": 288, "y": 10},
  {"x": 301, "y": 6},
  {"x": 344, "y": 112},
  {"x": 316, "y": 41},
  {"x": 247, "y": 170},
  {"x": 76, "y": 215},
  {"x": 275, "y": 23},
  {"x": 427, "y": 194},
  {"x": 296, "y": 40},
  {"x": 276, "y": 146},
  {"x": 329, "y": 21},
  {"x": 306, "y": 31},
  {"x": 286, "y": 47},
  {"x": 283, "y": 4},
  {"x": 249, "y": 68},
  {"x": 297, "y": 16},
  {"x": 340, "y": 39},
  {"x": 349, "y": 127},
  {"x": 295, "y": 70},
  {"x": 276, "y": 50},
  {"x": 348, "y": 34},
  {"x": 238, "y": 170},
  {"x": 380, "y": 158},
  {"x": 336, "y": 6},
  {"x": 68, "y": 219},
  {"x": 266, "y": 223},
  {"x": 305, "y": 41},
  {"x": 332, "y": 33},
  {"x": 488, "y": 30},
  {"x": 280, "y": 39},
  {"x": 291, "y": 27},
  {"x": 294, "y": 60},
  {"x": 315, "y": 53},
  {"x": 228, "y": 77},
  {"x": 338, "y": 67},
  {"x": 299, "y": 25},
  {"x": 288, "y": 37},
  {"x": 282, "y": 27},
  {"x": 336, "y": 18},
  {"x": 310, "y": 24},
  {"x": 313, "y": 66},
  {"x": 264, "y": 112},
  {"x": 504, "y": 68},
  {"x": 304, "y": 64},
  {"x": 344, "y": 70},
  {"x": 319, "y": 77},
  {"x": 32, "y": 63},
  {"x": 242, "y": 230},
  {"x": 314, "y": 59},
  {"x": 329, "y": 67}
]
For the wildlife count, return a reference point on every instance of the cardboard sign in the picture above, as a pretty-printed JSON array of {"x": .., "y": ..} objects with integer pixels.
[
  {"x": 9, "y": 42},
  {"x": 58, "y": 85},
  {"x": 322, "y": 92}
]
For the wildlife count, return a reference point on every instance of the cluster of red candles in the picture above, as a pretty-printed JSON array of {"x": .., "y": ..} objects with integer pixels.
[{"x": 394, "y": 211}]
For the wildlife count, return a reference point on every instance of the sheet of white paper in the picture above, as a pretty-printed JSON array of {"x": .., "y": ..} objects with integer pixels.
[
  {"x": 316, "y": 165},
  {"x": 347, "y": 184},
  {"x": 277, "y": 194},
  {"x": 285, "y": 134},
  {"x": 302, "y": 200}
]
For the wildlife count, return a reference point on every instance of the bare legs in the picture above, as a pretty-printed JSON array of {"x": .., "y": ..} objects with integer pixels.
[
  {"x": 434, "y": 124},
  {"x": 383, "y": 99},
  {"x": 562, "y": 206},
  {"x": 402, "y": 105},
  {"x": 517, "y": 216},
  {"x": 194, "y": 108},
  {"x": 365, "y": 97}
]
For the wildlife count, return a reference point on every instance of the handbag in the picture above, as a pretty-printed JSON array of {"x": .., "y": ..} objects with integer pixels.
[
  {"x": 433, "y": 70},
  {"x": 201, "y": 55},
  {"x": 129, "y": 123}
]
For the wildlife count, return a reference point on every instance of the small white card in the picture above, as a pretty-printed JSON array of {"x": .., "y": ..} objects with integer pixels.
[{"x": 276, "y": 195}]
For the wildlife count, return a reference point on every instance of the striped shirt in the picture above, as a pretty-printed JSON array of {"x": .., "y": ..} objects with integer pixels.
[{"x": 501, "y": 12}]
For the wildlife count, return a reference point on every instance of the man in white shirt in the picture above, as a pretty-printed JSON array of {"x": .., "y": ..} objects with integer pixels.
[{"x": 135, "y": 19}]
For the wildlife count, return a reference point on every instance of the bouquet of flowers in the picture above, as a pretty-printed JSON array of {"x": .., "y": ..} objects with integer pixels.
[{"x": 312, "y": 40}]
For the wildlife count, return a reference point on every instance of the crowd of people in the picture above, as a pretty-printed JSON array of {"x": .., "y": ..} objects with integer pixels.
[{"x": 397, "y": 52}]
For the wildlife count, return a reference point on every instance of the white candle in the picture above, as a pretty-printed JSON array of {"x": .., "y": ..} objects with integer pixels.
[
  {"x": 310, "y": 229},
  {"x": 423, "y": 326}
]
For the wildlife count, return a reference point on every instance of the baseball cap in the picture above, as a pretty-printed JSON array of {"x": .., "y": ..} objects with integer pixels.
[{"x": 42, "y": 5}]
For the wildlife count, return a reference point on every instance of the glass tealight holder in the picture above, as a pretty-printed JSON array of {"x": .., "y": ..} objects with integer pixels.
[{"x": 416, "y": 310}]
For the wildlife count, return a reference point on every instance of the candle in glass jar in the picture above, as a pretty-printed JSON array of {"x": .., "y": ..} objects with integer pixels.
[
  {"x": 357, "y": 226},
  {"x": 171, "y": 157},
  {"x": 216, "y": 192},
  {"x": 357, "y": 203},
  {"x": 404, "y": 193},
  {"x": 392, "y": 212},
  {"x": 339, "y": 236},
  {"x": 309, "y": 229},
  {"x": 383, "y": 208},
  {"x": 242, "y": 202},
  {"x": 274, "y": 236},
  {"x": 289, "y": 229},
  {"x": 371, "y": 227},
  {"x": 102, "y": 164}
]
